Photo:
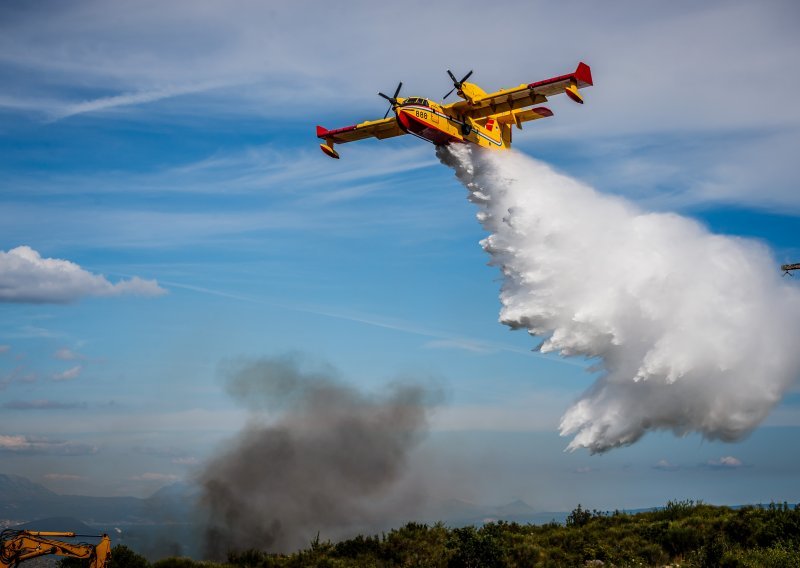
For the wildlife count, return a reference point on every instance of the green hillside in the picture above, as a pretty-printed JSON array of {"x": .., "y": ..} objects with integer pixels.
[{"x": 683, "y": 533}]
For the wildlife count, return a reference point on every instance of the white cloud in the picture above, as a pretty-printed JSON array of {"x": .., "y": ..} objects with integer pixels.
[
  {"x": 26, "y": 277},
  {"x": 69, "y": 374},
  {"x": 665, "y": 465},
  {"x": 65, "y": 354},
  {"x": 24, "y": 445},
  {"x": 13, "y": 443},
  {"x": 725, "y": 462},
  {"x": 262, "y": 55}
]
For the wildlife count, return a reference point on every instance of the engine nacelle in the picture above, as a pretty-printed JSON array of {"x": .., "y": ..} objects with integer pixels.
[
  {"x": 572, "y": 92},
  {"x": 329, "y": 150}
]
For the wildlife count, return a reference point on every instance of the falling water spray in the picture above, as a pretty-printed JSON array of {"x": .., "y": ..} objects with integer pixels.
[{"x": 691, "y": 331}]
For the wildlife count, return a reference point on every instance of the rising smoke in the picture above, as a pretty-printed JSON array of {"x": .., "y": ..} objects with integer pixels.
[
  {"x": 316, "y": 458},
  {"x": 693, "y": 332}
]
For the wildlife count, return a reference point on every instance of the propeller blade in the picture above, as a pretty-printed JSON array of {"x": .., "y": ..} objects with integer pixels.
[
  {"x": 456, "y": 82},
  {"x": 392, "y": 100}
]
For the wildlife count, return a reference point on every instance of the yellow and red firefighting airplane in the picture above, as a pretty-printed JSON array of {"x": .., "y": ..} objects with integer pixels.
[{"x": 482, "y": 118}]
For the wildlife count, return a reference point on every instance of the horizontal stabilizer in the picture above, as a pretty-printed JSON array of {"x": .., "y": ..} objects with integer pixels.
[
  {"x": 322, "y": 132},
  {"x": 582, "y": 77}
]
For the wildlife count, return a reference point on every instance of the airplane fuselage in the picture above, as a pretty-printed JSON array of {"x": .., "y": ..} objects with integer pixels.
[{"x": 429, "y": 121}]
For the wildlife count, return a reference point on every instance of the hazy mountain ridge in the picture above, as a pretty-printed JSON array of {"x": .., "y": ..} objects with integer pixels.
[{"x": 23, "y": 500}]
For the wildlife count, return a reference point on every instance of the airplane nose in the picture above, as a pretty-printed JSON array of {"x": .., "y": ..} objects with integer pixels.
[{"x": 403, "y": 117}]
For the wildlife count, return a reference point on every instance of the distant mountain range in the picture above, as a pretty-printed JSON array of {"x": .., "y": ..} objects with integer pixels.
[
  {"x": 157, "y": 526},
  {"x": 23, "y": 500},
  {"x": 166, "y": 523}
]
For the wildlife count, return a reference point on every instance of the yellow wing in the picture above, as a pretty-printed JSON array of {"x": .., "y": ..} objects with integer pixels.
[
  {"x": 385, "y": 128},
  {"x": 526, "y": 95}
]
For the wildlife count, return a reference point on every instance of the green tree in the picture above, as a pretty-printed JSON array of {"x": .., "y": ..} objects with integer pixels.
[
  {"x": 124, "y": 557},
  {"x": 473, "y": 549},
  {"x": 579, "y": 517}
]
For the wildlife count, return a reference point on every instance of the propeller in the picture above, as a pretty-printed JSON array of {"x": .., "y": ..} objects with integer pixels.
[
  {"x": 392, "y": 100},
  {"x": 456, "y": 83}
]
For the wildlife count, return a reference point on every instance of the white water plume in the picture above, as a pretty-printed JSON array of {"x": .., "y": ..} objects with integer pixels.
[{"x": 691, "y": 331}]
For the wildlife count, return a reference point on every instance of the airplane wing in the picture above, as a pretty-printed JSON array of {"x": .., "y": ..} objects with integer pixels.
[
  {"x": 524, "y": 116},
  {"x": 526, "y": 95},
  {"x": 385, "y": 128}
]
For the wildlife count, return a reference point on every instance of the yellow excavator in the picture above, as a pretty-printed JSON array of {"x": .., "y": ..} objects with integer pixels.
[{"x": 18, "y": 545}]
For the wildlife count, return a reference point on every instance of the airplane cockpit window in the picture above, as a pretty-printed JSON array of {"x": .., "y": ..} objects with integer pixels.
[{"x": 417, "y": 101}]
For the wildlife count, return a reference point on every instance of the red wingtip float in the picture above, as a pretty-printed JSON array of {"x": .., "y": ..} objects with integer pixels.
[{"x": 480, "y": 118}]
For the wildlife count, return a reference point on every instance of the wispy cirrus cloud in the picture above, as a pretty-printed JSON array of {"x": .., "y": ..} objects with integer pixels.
[
  {"x": 274, "y": 51},
  {"x": 66, "y": 354},
  {"x": 26, "y": 277},
  {"x": 473, "y": 346},
  {"x": 63, "y": 477},
  {"x": 42, "y": 404},
  {"x": 69, "y": 374},
  {"x": 64, "y": 110},
  {"x": 19, "y": 374},
  {"x": 155, "y": 476}
]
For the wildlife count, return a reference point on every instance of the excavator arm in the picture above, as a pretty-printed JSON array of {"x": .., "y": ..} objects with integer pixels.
[{"x": 17, "y": 546}]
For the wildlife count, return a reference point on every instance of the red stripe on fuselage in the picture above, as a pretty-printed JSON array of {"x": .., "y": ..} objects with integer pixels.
[{"x": 420, "y": 127}]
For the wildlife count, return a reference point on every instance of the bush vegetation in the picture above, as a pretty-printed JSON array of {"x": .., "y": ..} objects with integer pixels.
[{"x": 684, "y": 533}]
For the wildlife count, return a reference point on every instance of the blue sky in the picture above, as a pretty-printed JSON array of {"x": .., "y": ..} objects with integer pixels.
[{"x": 175, "y": 143}]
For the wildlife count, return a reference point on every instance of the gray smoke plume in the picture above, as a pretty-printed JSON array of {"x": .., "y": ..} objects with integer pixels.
[
  {"x": 693, "y": 332},
  {"x": 317, "y": 457}
]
